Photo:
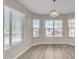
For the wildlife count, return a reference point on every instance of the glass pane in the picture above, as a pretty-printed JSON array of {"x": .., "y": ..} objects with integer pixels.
[
  {"x": 17, "y": 19},
  {"x": 49, "y": 32},
  {"x": 6, "y": 41},
  {"x": 71, "y": 32},
  {"x": 6, "y": 27},
  {"x": 57, "y": 32},
  {"x": 58, "y": 23},
  {"x": 49, "y": 24},
  {"x": 35, "y": 32},
  {"x": 6, "y": 21},
  {"x": 71, "y": 23},
  {"x": 36, "y": 23}
]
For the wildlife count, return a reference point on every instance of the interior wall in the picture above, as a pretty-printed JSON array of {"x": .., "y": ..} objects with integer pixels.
[{"x": 14, "y": 51}]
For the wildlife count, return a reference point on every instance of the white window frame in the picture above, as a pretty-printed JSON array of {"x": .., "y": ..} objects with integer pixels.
[
  {"x": 71, "y": 28},
  {"x": 36, "y": 28},
  {"x": 54, "y": 29},
  {"x": 10, "y": 29}
]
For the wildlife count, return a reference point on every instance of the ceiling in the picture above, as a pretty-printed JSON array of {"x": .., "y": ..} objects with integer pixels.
[{"x": 45, "y": 6}]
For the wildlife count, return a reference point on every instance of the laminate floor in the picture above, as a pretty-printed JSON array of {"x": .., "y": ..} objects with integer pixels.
[{"x": 49, "y": 52}]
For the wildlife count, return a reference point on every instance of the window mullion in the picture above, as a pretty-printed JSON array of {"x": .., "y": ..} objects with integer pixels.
[
  {"x": 53, "y": 27},
  {"x": 10, "y": 30}
]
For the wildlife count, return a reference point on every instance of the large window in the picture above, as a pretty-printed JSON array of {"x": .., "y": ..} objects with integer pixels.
[
  {"x": 49, "y": 28},
  {"x": 36, "y": 27},
  {"x": 13, "y": 21},
  {"x": 53, "y": 28},
  {"x": 6, "y": 27},
  {"x": 71, "y": 26},
  {"x": 17, "y": 24}
]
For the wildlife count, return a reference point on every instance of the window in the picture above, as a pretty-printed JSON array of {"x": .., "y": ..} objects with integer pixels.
[
  {"x": 6, "y": 28},
  {"x": 13, "y": 21},
  {"x": 53, "y": 28},
  {"x": 36, "y": 27},
  {"x": 49, "y": 28},
  {"x": 58, "y": 28},
  {"x": 71, "y": 26},
  {"x": 17, "y": 22}
]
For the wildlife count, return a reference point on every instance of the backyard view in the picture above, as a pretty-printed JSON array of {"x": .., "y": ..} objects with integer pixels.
[{"x": 12, "y": 27}]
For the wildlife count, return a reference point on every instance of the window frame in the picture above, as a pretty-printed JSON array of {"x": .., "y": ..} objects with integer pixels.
[
  {"x": 71, "y": 27},
  {"x": 58, "y": 28},
  {"x": 36, "y": 28},
  {"x": 54, "y": 28},
  {"x": 10, "y": 29},
  {"x": 48, "y": 28}
]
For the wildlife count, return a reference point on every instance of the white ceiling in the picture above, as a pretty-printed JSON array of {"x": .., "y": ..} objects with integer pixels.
[{"x": 45, "y": 6}]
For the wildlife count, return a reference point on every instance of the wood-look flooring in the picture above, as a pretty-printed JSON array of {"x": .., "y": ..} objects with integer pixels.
[{"x": 49, "y": 52}]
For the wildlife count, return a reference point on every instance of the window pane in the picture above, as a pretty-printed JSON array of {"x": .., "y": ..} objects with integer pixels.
[
  {"x": 49, "y": 24},
  {"x": 71, "y": 26},
  {"x": 57, "y": 32},
  {"x": 71, "y": 21},
  {"x": 49, "y": 32},
  {"x": 35, "y": 32},
  {"x": 17, "y": 19},
  {"x": 71, "y": 32},
  {"x": 58, "y": 23},
  {"x": 6, "y": 28},
  {"x": 36, "y": 26},
  {"x": 36, "y": 23}
]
